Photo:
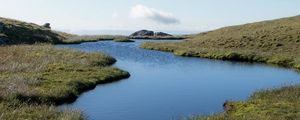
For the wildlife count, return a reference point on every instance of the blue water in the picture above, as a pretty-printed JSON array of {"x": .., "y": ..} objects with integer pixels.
[{"x": 163, "y": 86}]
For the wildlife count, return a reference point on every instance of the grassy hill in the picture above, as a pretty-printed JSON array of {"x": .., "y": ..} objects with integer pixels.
[
  {"x": 19, "y": 32},
  {"x": 275, "y": 42}
]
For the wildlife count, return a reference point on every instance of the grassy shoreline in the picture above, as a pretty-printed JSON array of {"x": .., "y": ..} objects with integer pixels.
[
  {"x": 90, "y": 38},
  {"x": 275, "y": 104},
  {"x": 240, "y": 56},
  {"x": 123, "y": 40},
  {"x": 275, "y": 42},
  {"x": 36, "y": 77}
]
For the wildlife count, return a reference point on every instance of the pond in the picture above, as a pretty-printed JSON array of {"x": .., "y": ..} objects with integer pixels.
[{"x": 163, "y": 86}]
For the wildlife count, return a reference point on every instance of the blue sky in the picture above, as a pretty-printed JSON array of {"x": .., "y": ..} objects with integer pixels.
[{"x": 187, "y": 16}]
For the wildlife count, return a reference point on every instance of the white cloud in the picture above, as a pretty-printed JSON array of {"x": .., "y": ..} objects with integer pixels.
[
  {"x": 143, "y": 12},
  {"x": 114, "y": 15}
]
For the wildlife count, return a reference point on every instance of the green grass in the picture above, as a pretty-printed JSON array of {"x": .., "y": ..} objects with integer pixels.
[
  {"x": 123, "y": 40},
  {"x": 34, "y": 77},
  {"x": 90, "y": 38},
  {"x": 28, "y": 33},
  {"x": 279, "y": 104},
  {"x": 20, "y": 111},
  {"x": 275, "y": 42},
  {"x": 19, "y": 32},
  {"x": 160, "y": 37}
]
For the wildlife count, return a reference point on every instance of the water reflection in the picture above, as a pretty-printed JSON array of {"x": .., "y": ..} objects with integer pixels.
[{"x": 163, "y": 86}]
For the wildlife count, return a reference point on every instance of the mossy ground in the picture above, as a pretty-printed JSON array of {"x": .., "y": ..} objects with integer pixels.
[
  {"x": 22, "y": 111},
  {"x": 274, "y": 42},
  {"x": 279, "y": 104},
  {"x": 34, "y": 77}
]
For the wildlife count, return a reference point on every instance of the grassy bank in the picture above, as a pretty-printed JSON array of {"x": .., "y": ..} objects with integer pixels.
[
  {"x": 161, "y": 37},
  {"x": 91, "y": 38},
  {"x": 75, "y": 39},
  {"x": 279, "y": 104},
  {"x": 34, "y": 77},
  {"x": 123, "y": 40},
  {"x": 274, "y": 42}
]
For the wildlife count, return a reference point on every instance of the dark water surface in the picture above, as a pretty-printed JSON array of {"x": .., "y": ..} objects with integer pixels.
[{"x": 163, "y": 86}]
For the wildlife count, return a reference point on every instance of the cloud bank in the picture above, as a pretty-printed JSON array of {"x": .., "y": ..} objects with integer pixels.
[
  {"x": 114, "y": 15},
  {"x": 143, "y": 12}
]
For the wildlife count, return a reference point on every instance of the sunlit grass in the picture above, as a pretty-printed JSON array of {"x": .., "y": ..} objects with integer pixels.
[
  {"x": 279, "y": 104},
  {"x": 124, "y": 39},
  {"x": 32, "y": 77},
  {"x": 274, "y": 42}
]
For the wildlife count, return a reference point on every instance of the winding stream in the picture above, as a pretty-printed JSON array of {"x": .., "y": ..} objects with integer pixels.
[{"x": 163, "y": 86}]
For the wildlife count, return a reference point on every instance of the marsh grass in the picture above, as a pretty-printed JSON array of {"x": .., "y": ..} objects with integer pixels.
[
  {"x": 90, "y": 38},
  {"x": 34, "y": 77},
  {"x": 21, "y": 111},
  {"x": 278, "y": 104},
  {"x": 274, "y": 42},
  {"x": 124, "y": 39}
]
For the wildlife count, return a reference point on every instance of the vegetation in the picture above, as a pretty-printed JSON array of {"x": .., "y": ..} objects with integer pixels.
[
  {"x": 19, "y": 32},
  {"x": 34, "y": 77},
  {"x": 160, "y": 37},
  {"x": 22, "y": 111},
  {"x": 90, "y": 38},
  {"x": 274, "y": 42},
  {"x": 280, "y": 104},
  {"x": 124, "y": 39}
]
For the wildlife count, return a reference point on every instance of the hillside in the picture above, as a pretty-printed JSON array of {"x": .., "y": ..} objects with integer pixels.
[
  {"x": 18, "y": 32},
  {"x": 275, "y": 42}
]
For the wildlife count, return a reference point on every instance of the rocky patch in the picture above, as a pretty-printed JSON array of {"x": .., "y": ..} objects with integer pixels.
[{"x": 148, "y": 33}]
